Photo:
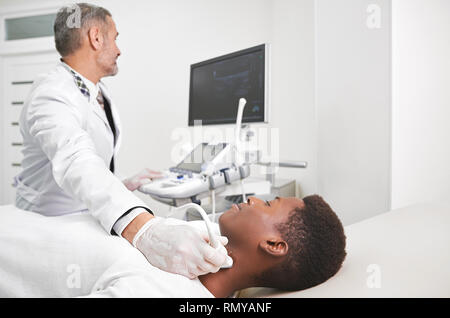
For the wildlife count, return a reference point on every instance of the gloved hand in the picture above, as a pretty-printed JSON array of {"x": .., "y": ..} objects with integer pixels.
[
  {"x": 143, "y": 177},
  {"x": 178, "y": 248}
]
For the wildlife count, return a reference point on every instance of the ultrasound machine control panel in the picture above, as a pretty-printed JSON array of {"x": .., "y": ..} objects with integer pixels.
[{"x": 207, "y": 167}]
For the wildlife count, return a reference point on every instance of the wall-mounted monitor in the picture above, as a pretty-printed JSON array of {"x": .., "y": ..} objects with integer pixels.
[{"x": 216, "y": 85}]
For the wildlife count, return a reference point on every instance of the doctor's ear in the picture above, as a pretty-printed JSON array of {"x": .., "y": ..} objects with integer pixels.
[
  {"x": 274, "y": 246},
  {"x": 95, "y": 37}
]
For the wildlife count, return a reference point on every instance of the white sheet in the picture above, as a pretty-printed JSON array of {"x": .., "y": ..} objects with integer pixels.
[
  {"x": 410, "y": 247},
  {"x": 71, "y": 255}
]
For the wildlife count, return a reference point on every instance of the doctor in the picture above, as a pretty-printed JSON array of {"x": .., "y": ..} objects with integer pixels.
[{"x": 71, "y": 133}]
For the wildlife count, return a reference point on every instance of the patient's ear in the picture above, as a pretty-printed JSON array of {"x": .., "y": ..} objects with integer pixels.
[{"x": 274, "y": 246}]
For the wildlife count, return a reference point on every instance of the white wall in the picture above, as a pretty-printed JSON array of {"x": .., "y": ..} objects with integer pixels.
[
  {"x": 353, "y": 100},
  {"x": 293, "y": 99},
  {"x": 421, "y": 101}
]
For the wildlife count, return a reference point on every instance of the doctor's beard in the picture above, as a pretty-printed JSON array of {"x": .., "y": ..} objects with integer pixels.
[
  {"x": 113, "y": 70},
  {"x": 109, "y": 68}
]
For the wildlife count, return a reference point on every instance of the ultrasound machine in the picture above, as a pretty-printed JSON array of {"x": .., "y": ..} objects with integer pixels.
[{"x": 229, "y": 89}]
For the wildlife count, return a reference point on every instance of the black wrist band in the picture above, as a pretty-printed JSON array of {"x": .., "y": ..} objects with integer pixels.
[{"x": 136, "y": 207}]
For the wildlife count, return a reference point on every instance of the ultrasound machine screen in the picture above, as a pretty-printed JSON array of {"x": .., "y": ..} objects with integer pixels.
[
  {"x": 201, "y": 154},
  {"x": 216, "y": 86}
]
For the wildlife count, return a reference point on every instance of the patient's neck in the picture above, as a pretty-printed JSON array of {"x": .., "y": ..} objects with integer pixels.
[{"x": 226, "y": 281}]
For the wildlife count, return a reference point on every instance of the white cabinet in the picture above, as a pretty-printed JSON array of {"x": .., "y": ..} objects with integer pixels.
[{"x": 18, "y": 75}]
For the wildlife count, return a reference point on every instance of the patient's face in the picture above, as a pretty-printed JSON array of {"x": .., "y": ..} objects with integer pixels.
[{"x": 247, "y": 223}]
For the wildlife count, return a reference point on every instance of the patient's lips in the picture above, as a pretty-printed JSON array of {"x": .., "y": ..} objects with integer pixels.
[
  {"x": 236, "y": 207},
  {"x": 241, "y": 205}
]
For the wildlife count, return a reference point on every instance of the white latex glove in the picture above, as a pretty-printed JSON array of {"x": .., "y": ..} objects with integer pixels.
[
  {"x": 179, "y": 248},
  {"x": 143, "y": 177}
]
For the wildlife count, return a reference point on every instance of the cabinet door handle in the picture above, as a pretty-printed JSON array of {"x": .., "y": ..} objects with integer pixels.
[
  {"x": 21, "y": 82},
  {"x": 16, "y": 164}
]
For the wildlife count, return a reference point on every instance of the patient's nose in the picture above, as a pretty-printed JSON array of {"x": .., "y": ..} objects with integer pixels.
[{"x": 253, "y": 200}]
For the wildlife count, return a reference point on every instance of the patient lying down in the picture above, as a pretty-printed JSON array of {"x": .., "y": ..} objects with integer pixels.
[{"x": 287, "y": 243}]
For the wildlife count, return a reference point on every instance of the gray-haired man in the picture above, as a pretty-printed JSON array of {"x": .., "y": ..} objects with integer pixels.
[{"x": 71, "y": 133}]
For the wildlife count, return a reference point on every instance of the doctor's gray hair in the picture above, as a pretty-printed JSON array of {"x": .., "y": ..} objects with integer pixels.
[{"x": 71, "y": 21}]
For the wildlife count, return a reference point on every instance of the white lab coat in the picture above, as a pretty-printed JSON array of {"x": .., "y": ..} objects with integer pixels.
[{"x": 68, "y": 146}]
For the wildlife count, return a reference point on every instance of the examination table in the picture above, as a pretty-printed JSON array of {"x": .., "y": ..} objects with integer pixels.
[{"x": 400, "y": 253}]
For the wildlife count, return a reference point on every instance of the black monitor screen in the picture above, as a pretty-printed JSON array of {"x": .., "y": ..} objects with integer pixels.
[{"x": 218, "y": 84}]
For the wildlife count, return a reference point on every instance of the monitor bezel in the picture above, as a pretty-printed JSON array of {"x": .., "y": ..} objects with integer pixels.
[{"x": 265, "y": 49}]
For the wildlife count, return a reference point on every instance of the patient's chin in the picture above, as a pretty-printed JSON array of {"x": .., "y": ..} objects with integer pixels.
[
  {"x": 227, "y": 224},
  {"x": 224, "y": 217},
  {"x": 222, "y": 222}
]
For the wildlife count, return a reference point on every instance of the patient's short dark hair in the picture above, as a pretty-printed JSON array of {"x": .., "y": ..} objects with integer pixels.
[{"x": 316, "y": 240}]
